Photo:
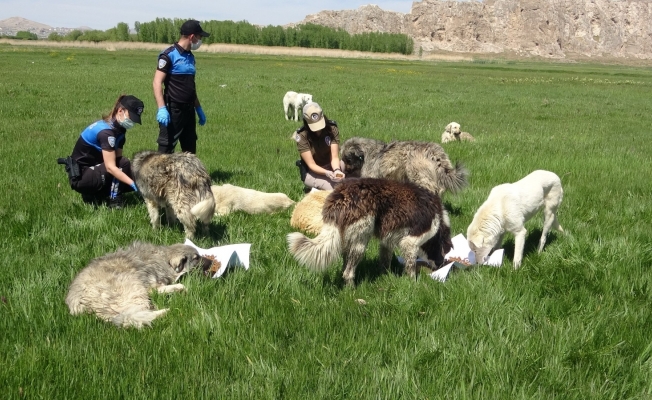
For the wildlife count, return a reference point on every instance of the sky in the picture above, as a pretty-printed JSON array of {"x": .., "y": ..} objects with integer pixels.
[{"x": 104, "y": 15}]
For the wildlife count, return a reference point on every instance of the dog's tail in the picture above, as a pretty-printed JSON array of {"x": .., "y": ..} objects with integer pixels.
[
  {"x": 317, "y": 253},
  {"x": 453, "y": 179},
  {"x": 136, "y": 317},
  {"x": 205, "y": 209}
]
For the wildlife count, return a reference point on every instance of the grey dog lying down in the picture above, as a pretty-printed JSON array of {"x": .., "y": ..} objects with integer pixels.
[{"x": 116, "y": 286}]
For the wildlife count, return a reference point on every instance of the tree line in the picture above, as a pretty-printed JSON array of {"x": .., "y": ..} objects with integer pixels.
[{"x": 165, "y": 30}]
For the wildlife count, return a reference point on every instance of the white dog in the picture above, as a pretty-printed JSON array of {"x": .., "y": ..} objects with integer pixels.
[
  {"x": 453, "y": 133},
  {"x": 507, "y": 209},
  {"x": 293, "y": 101},
  {"x": 229, "y": 198}
]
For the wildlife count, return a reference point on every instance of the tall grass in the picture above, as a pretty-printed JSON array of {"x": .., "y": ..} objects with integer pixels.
[{"x": 573, "y": 322}]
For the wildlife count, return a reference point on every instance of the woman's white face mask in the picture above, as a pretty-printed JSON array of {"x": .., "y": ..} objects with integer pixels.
[{"x": 126, "y": 122}]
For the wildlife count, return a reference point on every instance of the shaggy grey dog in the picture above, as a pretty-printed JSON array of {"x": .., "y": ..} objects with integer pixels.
[
  {"x": 116, "y": 286},
  {"x": 423, "y": 163},
  {"x": 401, "y": 215},
  {"x": 177, "y": 182}
]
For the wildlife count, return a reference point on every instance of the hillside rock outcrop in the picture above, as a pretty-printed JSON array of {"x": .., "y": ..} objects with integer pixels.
[{"x": 550, "y": 28}]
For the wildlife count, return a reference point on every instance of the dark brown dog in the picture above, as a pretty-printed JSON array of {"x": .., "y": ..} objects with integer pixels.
[{"x": 401, "y": 215}]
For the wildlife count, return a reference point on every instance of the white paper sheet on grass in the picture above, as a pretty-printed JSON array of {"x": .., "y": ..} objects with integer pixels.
[
  {"x": 229, "y": 255},
  {"x": 462, "y": 250}
]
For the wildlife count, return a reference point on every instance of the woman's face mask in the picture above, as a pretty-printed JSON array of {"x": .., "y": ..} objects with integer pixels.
[{"x": 126, "y": 122}]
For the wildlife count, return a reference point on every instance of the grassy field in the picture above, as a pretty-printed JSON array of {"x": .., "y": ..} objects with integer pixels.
[{"x": 572, "y": 323}]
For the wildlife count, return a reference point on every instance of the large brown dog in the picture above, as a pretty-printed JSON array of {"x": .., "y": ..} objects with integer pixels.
[
  {"x": 177, "y": 182},
  {"x": 400, "y": 214},
  {"x": 116, "y": 286},
  {"x": 423, "y": 163}
]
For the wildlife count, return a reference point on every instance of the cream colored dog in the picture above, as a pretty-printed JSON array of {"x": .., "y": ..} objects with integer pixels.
[
  {"x": 306, "y": 216},
  {"x": 507, "y": 209},
  {"x": 229, "y": 198},
  {"x": 453, "y": 133}
]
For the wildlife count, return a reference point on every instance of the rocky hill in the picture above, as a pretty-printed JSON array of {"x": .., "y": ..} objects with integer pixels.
[
  {"x": 547, "y": 28},
  {"x": 12, "y": 25}
]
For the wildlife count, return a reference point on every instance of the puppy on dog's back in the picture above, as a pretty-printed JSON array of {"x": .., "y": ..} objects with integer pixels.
[{"x": 177, "y": 182}]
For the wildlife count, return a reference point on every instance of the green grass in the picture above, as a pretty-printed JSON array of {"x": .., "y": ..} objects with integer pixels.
[{"x": 572, "y": 323}]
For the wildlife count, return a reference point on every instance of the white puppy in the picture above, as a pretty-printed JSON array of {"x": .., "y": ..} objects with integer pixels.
[
  {"x": 507, "y": 209},
  {"x": 453, "y": 133},
  {"x": 293, "y": 101},
  {"x": 229, "y": 198}
]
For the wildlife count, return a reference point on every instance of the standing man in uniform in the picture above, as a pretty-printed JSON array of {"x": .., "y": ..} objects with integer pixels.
[{"x": 178, "y": 103}]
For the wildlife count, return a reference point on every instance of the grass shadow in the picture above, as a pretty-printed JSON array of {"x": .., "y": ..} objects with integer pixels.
[
  {"x": 220, "y": 176},
  {"x": 531, "y": 243},
  {"x": 216, "y": 231},
  {"x": 452, "y": 210}
]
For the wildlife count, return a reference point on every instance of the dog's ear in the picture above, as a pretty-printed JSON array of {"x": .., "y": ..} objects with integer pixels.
[
  {"x": 178, "y": 262},
  {"x": 448, "y": 127}
]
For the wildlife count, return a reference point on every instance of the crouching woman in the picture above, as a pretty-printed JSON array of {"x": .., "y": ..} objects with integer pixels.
[
  {"x": 104, "y": 174},
  {"x": 318, "y": 145}
]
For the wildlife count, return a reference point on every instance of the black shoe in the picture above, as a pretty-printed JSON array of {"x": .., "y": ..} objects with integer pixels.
[
  {"x": 116, "y": 203},
  {"x": 92, "y": 199}
]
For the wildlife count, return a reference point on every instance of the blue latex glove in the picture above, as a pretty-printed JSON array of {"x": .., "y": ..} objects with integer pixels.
[
  {"x": 163, "y": 116},
  {"x": 201, "y": 115},
  {"x": 134, "y": 187}
]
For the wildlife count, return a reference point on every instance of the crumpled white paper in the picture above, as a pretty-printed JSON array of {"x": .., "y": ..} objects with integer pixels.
[
  {"x": 229, "y": 256},
  {"x": 462, "y": 250}
]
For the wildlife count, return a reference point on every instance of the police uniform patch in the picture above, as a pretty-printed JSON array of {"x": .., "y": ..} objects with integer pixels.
[
  {"x": 162, "y": 63},
  {"x": 327, "y": 139},
  {"x": 112, "y": 141},
  {"x": 297, "y": 137}
]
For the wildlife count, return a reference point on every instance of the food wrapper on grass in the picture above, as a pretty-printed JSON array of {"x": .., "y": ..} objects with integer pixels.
[
  {"x": 224, "y": 257},
  {"x": 461, "y": 257}
]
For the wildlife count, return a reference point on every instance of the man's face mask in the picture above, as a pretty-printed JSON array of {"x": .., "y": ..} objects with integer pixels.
[{"x": 195, "y": 45}]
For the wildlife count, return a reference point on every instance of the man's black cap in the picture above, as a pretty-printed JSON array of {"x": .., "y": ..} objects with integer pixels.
[{"x": 191, "y": 27}]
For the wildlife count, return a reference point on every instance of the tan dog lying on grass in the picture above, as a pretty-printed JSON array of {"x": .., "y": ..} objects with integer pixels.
[
  {"x": 306, "y": 216},
  {"x": 229, "y": 198},
  {"x": 453, "y": 133}
]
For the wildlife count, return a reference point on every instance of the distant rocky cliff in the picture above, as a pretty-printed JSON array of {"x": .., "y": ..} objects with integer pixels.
[{"x": 547, "y": 28}]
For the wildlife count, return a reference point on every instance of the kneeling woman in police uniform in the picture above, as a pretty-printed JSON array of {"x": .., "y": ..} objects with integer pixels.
[{"x": 103, "y": 173}]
